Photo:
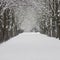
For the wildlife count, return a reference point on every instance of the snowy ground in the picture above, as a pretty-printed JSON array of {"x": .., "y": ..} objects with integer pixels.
[{"x": 30, "y": 46}]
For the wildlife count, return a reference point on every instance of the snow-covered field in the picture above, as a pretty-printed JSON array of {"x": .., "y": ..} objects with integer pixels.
[{"x": 30, "y": 46}]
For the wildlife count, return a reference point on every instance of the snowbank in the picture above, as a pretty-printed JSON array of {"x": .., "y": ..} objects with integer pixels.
[{"x": 30, "y": 46}]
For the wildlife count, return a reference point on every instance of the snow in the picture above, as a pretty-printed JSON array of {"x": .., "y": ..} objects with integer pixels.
[{"x": 30, "y": 46}]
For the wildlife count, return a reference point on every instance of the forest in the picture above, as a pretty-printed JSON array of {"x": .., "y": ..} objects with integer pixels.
[{"x": 18, "y": 16}]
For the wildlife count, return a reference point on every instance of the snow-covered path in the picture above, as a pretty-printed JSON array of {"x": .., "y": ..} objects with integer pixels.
[{"x": 30, "y": 46}]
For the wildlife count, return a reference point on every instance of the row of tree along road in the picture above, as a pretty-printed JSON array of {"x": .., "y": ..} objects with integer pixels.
[{"x": 49, "y": 21}]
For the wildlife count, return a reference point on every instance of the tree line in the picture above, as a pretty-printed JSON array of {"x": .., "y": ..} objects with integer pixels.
[
  {"x": 8, "y": 26},
  {"x": 48, "y": 21},
  {"x": 50, "y": 24}
]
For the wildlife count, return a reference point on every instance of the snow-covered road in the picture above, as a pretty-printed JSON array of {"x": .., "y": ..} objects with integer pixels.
[{"x": 30, "y": 46}]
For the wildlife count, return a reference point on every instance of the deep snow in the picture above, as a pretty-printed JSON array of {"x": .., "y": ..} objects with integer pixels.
[{"x": 30, "y": 46}]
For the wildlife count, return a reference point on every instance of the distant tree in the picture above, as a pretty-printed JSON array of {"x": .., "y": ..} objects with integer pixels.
[{"x": 2, "y": 6}]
